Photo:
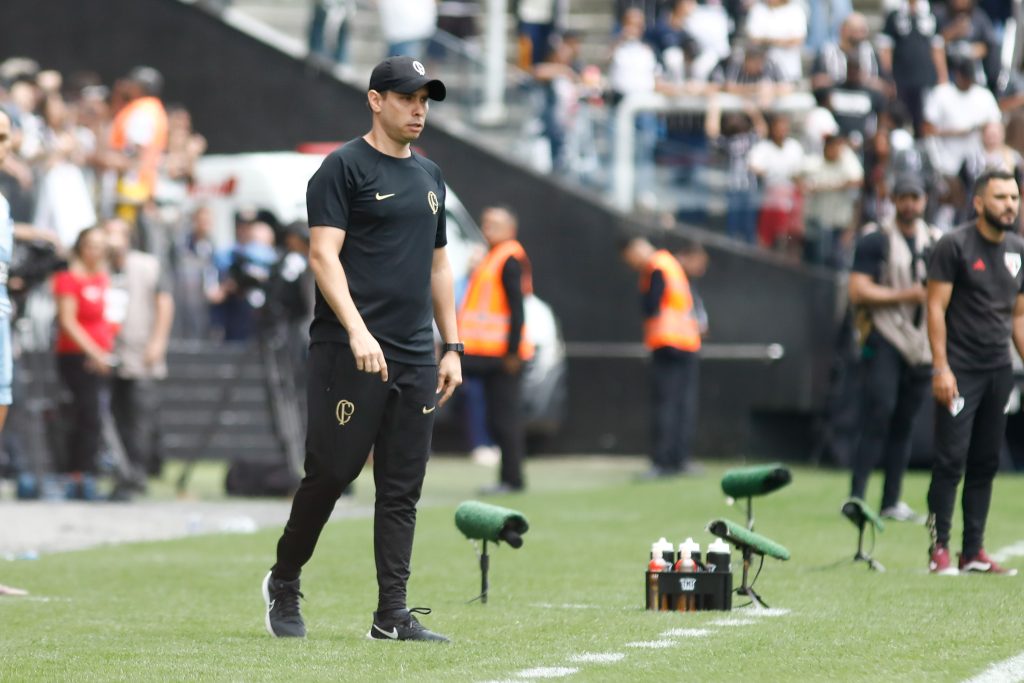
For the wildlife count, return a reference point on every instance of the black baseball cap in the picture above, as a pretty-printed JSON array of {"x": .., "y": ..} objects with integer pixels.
[
  {"x": 405, "y": 75},
  {"x": 908, "y": 184}
]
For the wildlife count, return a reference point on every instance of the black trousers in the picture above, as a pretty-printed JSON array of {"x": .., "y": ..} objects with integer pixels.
[
  {"x": 351, "y": 412},
  {"x": 968, "y": 446},
  {"x": 674, "y": 382},
  {"x": 135, "y": 405},
  {"x": 912, "y": 97},
  {"x": 83, "y": 437},
  {"x": 891, "y": 395},
  {"x": 503, "y": 400}
]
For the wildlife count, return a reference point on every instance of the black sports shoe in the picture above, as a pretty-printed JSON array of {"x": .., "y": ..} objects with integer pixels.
[
  {"x": 284, "y": 620},
  {"x": 404, "y": 627}
]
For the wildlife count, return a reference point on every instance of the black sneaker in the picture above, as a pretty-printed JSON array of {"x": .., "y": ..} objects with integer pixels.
[
  {"x": 284, "y": 620},
  {"x": 405, "y": 627}
]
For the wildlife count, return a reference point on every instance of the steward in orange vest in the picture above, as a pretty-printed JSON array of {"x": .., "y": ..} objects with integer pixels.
[
  {"x": 138, "y": 135},
  {"x": 492, "y": 328},
  {"x": 672, "y": 332}
]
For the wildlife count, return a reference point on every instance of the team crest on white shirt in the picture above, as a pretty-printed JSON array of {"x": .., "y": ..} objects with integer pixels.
[{"x": 1012, "y": 261}]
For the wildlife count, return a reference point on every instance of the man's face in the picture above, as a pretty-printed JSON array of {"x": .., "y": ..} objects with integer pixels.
[
  {"x": 118, "y": 235},
  {"x": 856, "y": 29},
  {"x": 497, "y": 225},
  {"x": 910, "y": 207},
  {"x": 5, "y": 136},
  {"x": 401, "y": 115},
  {"x": 999, "y": 204},
  {"x": 833, "y": 149},
  {"x": 633, "y": 24},
  {"x": 780, "y": 129}
]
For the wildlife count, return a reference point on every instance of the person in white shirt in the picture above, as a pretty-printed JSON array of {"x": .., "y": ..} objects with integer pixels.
[
  {"x": 831, "y": 180},
  {"x": 781, "y": 27},
  {"x": 407, "y": 25},
  {"x": 955, "y": 114},
  {"x": 777, "y": 162}
]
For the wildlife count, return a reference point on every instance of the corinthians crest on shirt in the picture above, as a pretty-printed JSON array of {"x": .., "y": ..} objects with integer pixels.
[{"x": 1012, "y": 261}]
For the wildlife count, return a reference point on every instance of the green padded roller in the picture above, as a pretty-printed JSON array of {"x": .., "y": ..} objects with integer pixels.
[
  {"x": 855, "y": 508},
  {"x": 744, "y": 482},
  {"x": 488, "y": 522},
  {"x": 739, "y": 536}
]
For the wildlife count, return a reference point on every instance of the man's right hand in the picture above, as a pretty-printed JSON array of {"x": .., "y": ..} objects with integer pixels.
[
  {"x": 944, "y": 387},
  {"x": 368, "y": 355},
  {"x": 916, "y": 294}
]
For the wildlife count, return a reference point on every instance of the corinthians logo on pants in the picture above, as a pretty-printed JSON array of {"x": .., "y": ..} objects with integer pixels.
[{"x": 343, "y": 411}]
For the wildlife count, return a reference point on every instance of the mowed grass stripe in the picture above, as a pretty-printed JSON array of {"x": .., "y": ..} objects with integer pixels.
[{"x": 191, "y": 609}]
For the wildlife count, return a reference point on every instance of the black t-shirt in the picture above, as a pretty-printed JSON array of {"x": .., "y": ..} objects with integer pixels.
[
  {"x": 856, "y": 109},
  {"x": 987, "y": 280},
  {"x": 392, "y": 211},
  {"x": 912, "y": 35}
]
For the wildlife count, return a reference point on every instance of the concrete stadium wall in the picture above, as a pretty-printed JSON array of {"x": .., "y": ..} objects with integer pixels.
[{"x": 245, "y": 96}]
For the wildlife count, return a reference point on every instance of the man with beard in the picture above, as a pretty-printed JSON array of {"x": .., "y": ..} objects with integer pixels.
[
  {"x": 887, "y": 287},
  {"x": 975, "y": 306}
]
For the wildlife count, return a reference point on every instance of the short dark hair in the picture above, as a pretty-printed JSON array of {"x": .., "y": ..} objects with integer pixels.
[
  {"x": 76, "y": 248},
  {"x": 981, "y": 184}
]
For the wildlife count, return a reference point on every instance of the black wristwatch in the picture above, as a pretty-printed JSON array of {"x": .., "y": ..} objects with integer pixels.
[{"x": 457, "y": 347}]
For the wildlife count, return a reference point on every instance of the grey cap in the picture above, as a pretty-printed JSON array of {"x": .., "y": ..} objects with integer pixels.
[
  {"x": 151, "y": 80},
  {"x": 908, "y": 184}
]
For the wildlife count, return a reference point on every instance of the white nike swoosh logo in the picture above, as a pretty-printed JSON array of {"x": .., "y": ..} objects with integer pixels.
[
  {"x": 428, "y": 412},
  {"x": 270, "y": 607},
  {"x": 392, "y": 634},
  {"x": 384, "y": 196}
]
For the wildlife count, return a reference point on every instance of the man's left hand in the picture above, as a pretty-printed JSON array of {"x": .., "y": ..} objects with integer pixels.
[
  {"x": 449, "y": 376},
  {"x": 155, "y": 354}
]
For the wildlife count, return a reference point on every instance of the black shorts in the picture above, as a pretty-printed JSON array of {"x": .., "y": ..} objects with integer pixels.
[{"x": 351, "y": 412}]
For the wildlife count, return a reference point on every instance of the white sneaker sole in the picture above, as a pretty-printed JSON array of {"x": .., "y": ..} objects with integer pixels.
[
  {"x": 266, "y": 603},
  {"x": 952, "y": 571}
]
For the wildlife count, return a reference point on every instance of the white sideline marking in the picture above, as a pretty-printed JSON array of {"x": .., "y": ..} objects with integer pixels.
[
  {"x": 547, "y": 672},
  {"x": 1007, "y": 671},
  {"x": 597, "y": 658},
  {"x": 733, "y": 622},
  {"x": 768, "y": 612},
  {"x": 1004, "y": 554},
  {"x": 652, "y": 644},
  {"x": 686, "y": 633}
]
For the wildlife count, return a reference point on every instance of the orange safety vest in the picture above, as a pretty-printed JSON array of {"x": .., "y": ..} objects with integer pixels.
[
  {"x": 675, "y": 324},
  {"x": 141, "y": 187},
  {"x": 485, "y": 318}
]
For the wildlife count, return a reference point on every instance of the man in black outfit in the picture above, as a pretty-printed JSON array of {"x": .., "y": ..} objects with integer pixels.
[
  {"x": 887, "y": 286},
  {"x": 975, "y": 306},
  {"x": 377, "y": 249},
  {"x": 491, "y": 325}
]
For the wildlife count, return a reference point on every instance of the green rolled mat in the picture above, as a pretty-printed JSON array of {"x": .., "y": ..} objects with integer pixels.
[
  {"x": 855, "y": 508},
  {"x": 740, "y": 536},
  {"x": 489, "y": 522},
  {"x": 744, "y": 482}
]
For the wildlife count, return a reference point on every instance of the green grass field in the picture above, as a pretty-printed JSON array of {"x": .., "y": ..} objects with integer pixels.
[{"x": 191, "y": 609}]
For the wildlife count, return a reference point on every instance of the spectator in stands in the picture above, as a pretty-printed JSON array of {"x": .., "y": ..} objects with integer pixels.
[
  {"x": 818, "y": 124},
  {"x": 856, "y": 106},
  {"x": 558, "y": 77},
  {"x": 781, "y": 27},
  {"x": 674, "y": 46},
  {"x": 994, "y": 153},
  {"x": 955, "y": 114},
  {"x": 749, "y": 73},
  {"x": 732, "y": 135},
  {"x": 634, "y": 70},
  {"x": 832, "y": 61},
  {"x": 407, "y": 26},
  {"x": 778, "y": 162},
  {"x": 825, "y": 21},
  {"x": 196, "y": 277},
  {"x": 138, "y": 138},
  {"x": 141, "y": 289},
  {"x": 178, "y": 167},
  {"x": 708, "y": 26},
  {"x": 539, "y": 20},
  {"x": 64, "y": 203},
  {"x": 912, "y": 52},
  {"x": 968, "y": 34},
  {"x": 336, "y": 15},
  {"x": 85, "y": 344},
  {"x": 831, "y": 181}
]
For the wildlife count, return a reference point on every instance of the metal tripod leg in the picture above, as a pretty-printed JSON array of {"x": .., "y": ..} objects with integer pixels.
[{"x": 861, "y": 556}]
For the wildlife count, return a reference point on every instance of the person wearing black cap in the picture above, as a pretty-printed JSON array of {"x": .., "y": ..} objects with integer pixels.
[
  {"x": 887, "y": 287},
  {"x": 377, "y": 249},
  {"x": 975, "y": 308}
]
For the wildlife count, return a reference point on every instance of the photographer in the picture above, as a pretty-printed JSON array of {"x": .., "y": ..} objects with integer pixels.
[
  {"x": 887, "y": 286},
  {"x": 243, "y": 269}
]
